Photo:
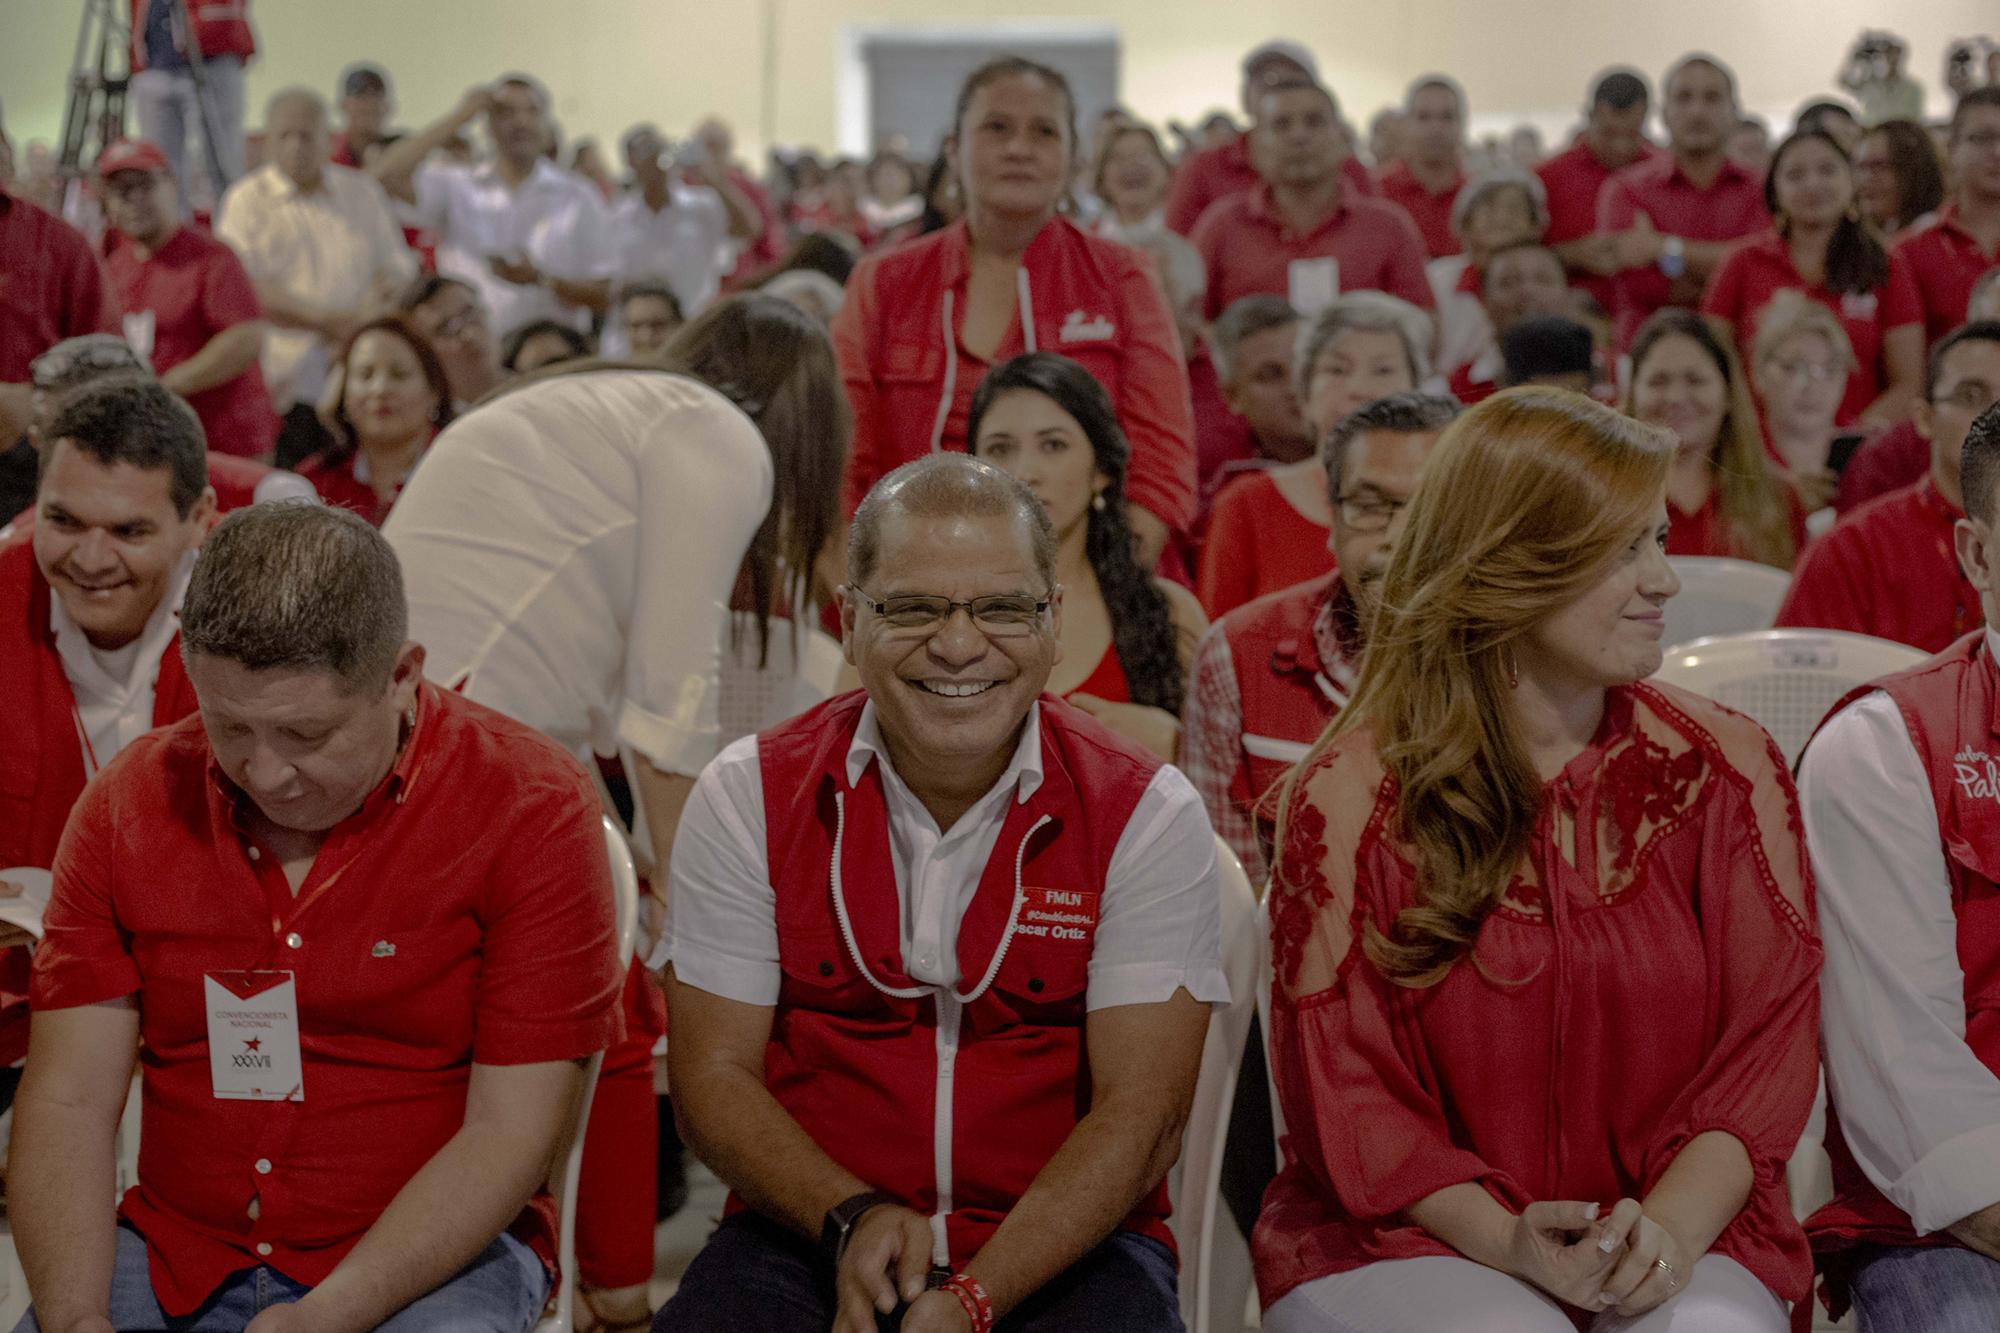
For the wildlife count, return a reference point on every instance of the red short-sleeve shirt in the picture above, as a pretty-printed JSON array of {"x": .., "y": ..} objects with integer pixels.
[
  {"x": 1945, "y": 259},
  {"x": 1573, "y": 179},
  {"x": 190, "y": 289},
  {"x": 50, "y": 286},
  {"x": 1762, "y": 267},
  {"x": 1248, "y": 249},
  {"x": 1431, "y": 212},
  {"x": 463, "y": 914},
  {"x": 1731, "y": 206}
]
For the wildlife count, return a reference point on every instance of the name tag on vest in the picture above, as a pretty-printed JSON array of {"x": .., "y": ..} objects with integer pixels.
[
  {"x": 1058, "y": 914},
  {"x": 253, "y": 1036}
]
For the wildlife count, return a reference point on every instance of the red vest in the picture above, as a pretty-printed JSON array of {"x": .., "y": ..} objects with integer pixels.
[
  {"x": 1948, "y": 704},
  {"x": 41, "y": 760},
  {"x": 855, "y": 1046},
  {"x": 1287, "y": 696}
]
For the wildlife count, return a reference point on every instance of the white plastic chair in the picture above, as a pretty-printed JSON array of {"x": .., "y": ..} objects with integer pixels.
[
  {"x": 1215, "y": 1262},
  {"x": 625, "y": 893},
  {"x": 1721, "y": 596},
  {"x": 1786, "y": 679}
]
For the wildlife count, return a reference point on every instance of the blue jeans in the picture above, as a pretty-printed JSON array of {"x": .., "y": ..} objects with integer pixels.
[
  {"x": 1901, "y": 1290},
  {"x": 755, "y": 1274},
  {"x": 502, "y": 1290},
  {"x": 164, "y": 102}
]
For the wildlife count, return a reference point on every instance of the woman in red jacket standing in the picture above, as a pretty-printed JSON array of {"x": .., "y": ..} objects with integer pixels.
[
  {"x": 924, "y": 321},
  {"x": 1545, "y": 1017}
]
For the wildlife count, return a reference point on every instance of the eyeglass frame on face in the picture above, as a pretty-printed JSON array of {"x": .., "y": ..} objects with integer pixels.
[
  {"x": 939, "y": 618},
  {"x": 1808, "y": 371},
  {"x": 1376, "y": 512}
]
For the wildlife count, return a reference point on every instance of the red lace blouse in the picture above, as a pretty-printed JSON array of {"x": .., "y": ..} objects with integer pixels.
[{"x": 1650, "y": 975}]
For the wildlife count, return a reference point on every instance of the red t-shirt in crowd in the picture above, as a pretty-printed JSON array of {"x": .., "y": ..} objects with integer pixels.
[
  {"x": 1731, "y": 206},
  {"x": 1248, "y": 249},
  {"x": 177, "y": 299},
  {"x": 1431, "y": 212},
  {"x": 1573, "y": 179},
  {"x": 341, "y": 478},
  {"x": 1220, "y": 436},
  {"x": 1217, "y": 173},
  {"x": 1888, "y": 569},
  {"x": 1258, "y": 542},
  {"x": 1892, "y": 458},
  {"x": 51, "y": 287},
  {"x": 1762, "y": 267},
  {"x": 1706, "y": 532},
  {"x": 1946, "y": 261},
  {"x": 425, "y": 939}
]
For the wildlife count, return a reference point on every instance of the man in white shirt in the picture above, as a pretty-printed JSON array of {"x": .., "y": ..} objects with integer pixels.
[
  {"x": 679, "y": 230},
  {"x": 1900, "y": 792},
  {"x": 943, "y": 951},
  {"x": 321, "y": 247},
  {"x": 88, "y": 623},
  {"x": 529, "y": 237}
]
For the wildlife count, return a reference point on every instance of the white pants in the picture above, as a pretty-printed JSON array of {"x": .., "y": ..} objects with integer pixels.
[{"x": 1437, "y": 1294}]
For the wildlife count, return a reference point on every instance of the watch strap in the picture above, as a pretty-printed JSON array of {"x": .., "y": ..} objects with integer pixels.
[{"x": 840, "y": 1220}]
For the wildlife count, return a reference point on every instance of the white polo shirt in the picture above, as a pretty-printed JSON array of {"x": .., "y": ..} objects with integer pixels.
[
  {"x": 1159, "y": 921},
  {"x": 556, "y": 219},
  {"x": 686, "y": 244},
  {"x": 328, "y": 248},
  {"x": 1918, "y": 1109},
  {"x": 569, "y": 550}
]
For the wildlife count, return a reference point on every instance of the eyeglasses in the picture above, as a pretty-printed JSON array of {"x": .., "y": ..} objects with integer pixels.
[
  {"x": 1368, "y": 513},
  {"x": 1807, "y": 372},
  {"x": 458, "y": 323},
  {"x": 1000, "y": 616},
  {"x": 1971, "y": 398}
]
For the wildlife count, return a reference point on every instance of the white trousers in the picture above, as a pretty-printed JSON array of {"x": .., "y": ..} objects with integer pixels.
[{"x": 1437, "y": 1294}]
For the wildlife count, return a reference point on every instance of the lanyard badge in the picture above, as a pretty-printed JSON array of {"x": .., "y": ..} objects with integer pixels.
[{"x": 253, "y": 1036}]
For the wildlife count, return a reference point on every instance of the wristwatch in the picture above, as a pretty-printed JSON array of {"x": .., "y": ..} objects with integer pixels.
[
  {"x": 840, "y": 1220},
  {"x": 1673, "y": 256}
]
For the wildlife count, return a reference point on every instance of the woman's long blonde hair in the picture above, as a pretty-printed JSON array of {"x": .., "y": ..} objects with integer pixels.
[
  {"x": 1750, "y": 499},
  {"x": 1525, "y": 502}
]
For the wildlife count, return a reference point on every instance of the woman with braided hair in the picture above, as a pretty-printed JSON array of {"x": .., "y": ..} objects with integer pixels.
[{"x": 1127, "y": 638}]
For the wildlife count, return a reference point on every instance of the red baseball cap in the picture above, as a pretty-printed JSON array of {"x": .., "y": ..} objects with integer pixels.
[{"x": 130, "y": 155}]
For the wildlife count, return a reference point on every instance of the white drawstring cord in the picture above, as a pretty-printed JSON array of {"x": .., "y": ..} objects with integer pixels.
[
  {"x": 950, "y": 377},
  {"x": 854, "y": 949},
  {"x": 1027, "y": 308}
]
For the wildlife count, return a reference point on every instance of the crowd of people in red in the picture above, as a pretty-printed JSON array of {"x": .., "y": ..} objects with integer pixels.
[{"x": 1315, "y": 492}]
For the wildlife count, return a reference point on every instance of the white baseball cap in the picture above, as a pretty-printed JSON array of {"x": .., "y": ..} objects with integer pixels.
[{"x": 1281, "y": 49}]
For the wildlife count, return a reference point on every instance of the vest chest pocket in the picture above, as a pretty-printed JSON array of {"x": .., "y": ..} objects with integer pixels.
[
  {"x": 1041, "y": 982},
  {"x": 818, "y": 975},
  {"x": 1975, "y": 867}
]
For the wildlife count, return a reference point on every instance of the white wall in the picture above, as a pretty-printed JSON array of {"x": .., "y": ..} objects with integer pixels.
[{"x": 611, "y": 63}]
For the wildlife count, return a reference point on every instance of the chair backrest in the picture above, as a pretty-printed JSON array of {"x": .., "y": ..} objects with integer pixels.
[
  {"x": 1721, "y": 596},
  {"x": 1786, "y": 679},
  {"x": 1214, "y": 1285},
  {"x": 625, "y": 905}
]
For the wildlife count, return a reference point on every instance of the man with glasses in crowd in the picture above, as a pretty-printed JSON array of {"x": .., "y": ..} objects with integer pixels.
[
  {"x": 1887, "y": 569},
  {"x": 956, "y": 1082}
]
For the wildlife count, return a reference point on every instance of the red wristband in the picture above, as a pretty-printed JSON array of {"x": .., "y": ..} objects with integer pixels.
[{"x": 978, "y": 1306}]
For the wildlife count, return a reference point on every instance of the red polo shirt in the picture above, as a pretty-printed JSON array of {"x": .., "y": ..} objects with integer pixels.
[
  {"x": 1573, "y": 180},
  {"x": 1217, "y": 173},
  {"x": 1887, "y": 569},
  {"x": 1248, "y": 249},
  {"x": 462, "y": 914},
  {"x": 1888, "y": 460},
  {"x": 192, "y": 288},
  {"x": 1762, "y": 267},
  {"x": 51, "y": 287},
  {"x": 1731, "y": 206},
  {"x": 1945, "y": 259},
  {"x": 1431, "y": 212}
]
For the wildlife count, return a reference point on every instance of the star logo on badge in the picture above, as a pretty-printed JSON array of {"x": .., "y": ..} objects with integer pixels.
[{"x": 252, "y": 1043}]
